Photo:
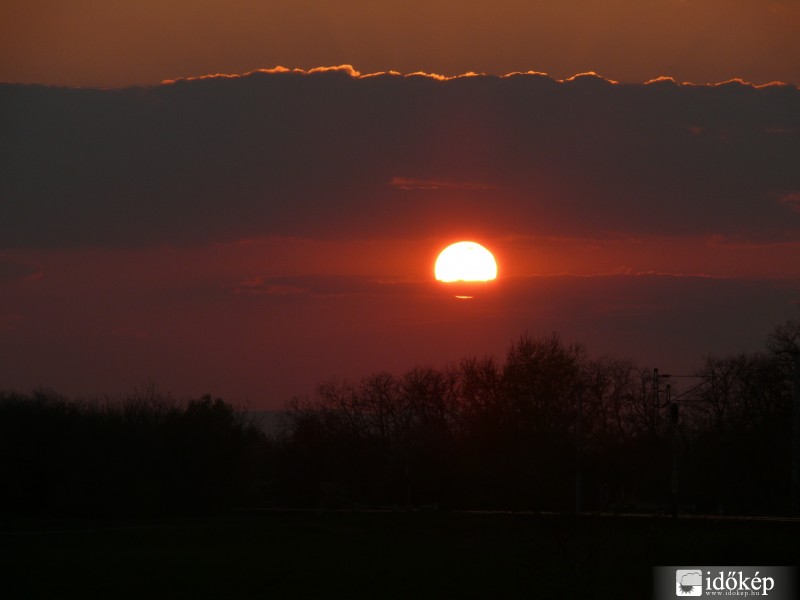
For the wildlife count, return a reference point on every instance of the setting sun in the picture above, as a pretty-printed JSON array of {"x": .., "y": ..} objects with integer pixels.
[{"x": 465, "y": 261}]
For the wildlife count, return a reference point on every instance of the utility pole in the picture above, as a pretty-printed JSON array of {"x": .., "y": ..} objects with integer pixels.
[
  {"x": 672, "y": 415},
  {"x": 655, "y": 400},
  {"x": 665, "y": 457}
]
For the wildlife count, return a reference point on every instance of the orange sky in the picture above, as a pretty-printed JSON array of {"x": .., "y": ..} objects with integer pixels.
[
  {"x": 89, "y": 43},
  {"x": 262, "y": 320},
  {"x": 252, "y": 236}
]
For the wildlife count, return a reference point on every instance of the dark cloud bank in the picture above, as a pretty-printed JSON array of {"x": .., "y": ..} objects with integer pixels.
[{"x": 331, "y": 154}]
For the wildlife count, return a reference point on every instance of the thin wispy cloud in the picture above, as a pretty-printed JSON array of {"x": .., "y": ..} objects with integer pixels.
[{"x": 411, "y": 184}]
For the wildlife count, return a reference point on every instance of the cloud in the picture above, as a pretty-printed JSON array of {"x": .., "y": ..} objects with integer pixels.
[
  {"x": 132, "y": 333},
  {"x": 9, "y": 322},
  {"x": 347, "y": 69},
  {"x": 264, "y": 286},
  {"x": 695, "y": 578},
  {"x": 408, "y": 184},
  {"x": 308, "y": 153},
  {"x": 325, "y": 285},
  {"x": 792, "y": 200},
  {"x": 589, "y": 76},
  {"x": 12, "y": 270}
]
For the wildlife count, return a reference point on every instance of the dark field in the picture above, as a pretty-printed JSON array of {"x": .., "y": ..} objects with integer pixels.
[{"x": 374, "y": 555}]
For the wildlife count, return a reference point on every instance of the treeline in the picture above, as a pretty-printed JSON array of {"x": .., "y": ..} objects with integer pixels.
[
  {"x": 525, "y": 433},
  {"x": 146, "y": 454},
  {"x": 547, "y": 428}
]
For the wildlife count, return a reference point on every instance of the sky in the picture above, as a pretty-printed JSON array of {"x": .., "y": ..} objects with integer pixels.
[
  {"x": 246, "y": 199},
  {"x": 125, "y": 42}
]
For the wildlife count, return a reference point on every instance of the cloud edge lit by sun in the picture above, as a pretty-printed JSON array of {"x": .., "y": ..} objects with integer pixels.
[{"x": 349, "y": 70}]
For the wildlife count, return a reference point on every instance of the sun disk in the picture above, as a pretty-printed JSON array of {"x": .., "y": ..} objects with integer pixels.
[{"x": 465, "y": 261}]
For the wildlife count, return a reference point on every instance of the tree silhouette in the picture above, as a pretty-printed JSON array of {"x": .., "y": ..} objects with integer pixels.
[{"x": 482, "y": 433}]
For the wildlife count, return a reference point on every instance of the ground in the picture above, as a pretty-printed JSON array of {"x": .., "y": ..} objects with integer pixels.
[{"x": 393, "y": 554}]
